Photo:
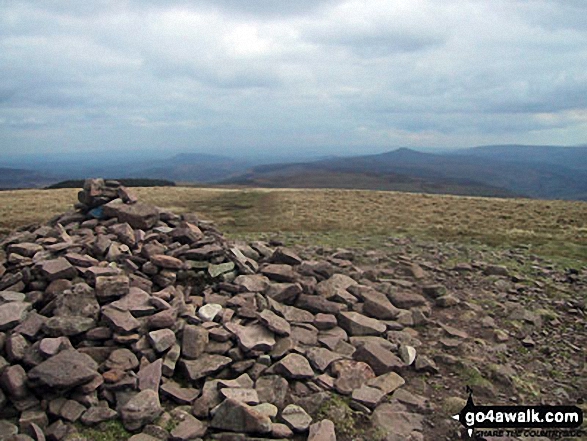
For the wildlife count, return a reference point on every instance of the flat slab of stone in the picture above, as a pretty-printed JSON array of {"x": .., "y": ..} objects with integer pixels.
[
  {"x": 387, "y": 383},
  {"x": 253, "y": 337},
  {"x": 58, "y": 268},
  {"x": 140, "y": 410},
  {"x": 242, "y": 394},
  {"x": 12, "y": 313},
  {"x": 239, "y": 417},
  {"x": 380, "y": 359},
  {"x": 350, "y": 375},
  {"x": 67, "y": 369},
  {"x": 205, "y": 365},
  {"x": 120, "y": 320},
  {"x": 296, "y": 418},
  {"x": 396, "y": 422},
  {"x": 322, "y": 431},
  {"x": 359, "y": 324},
  {"x": 274, "y": 322},
  {"x": 294, "y": 366},
  {"x": 138, "y": 215}
]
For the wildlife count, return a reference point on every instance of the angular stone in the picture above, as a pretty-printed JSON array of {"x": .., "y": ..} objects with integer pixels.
[
  {"x": 350, "y": 375},
  {"x": 397, "y": 424},
  {"x": 358, "y": 324},
  {"x": 142, "y": 409},
  {"x": 252, "y": 337},
  {"x": 285, "y": 256},
  {"x": 190, "y": 428},
  {"x": 12, "y": 313},
  {"x": 167, "y": 262},
  {"x": 162, "y": 339},
  {"x": 368, "y": 396},
  {"x": 283, "y": 292},
  {"x": 377, "y": 305},
  {"x": 329, "y": 288},
  {"x": 316, "y": 304},
  {"x": 203, "y": 366},
  {"x": 82, "y": 260},
  {"x": 181, "y": 395},
  {"x": 13, "y": 380},
  {"x": 137, "y": 215},
  {"x": 71, "y": 410},
  {"x": 322, "y": 431},
  {"x": 321, "y": 358},
  {"x": 325, "y": 321},
  {"x": 122, "y": 359},
  {"x": 280, "y": 273},
  {"x": 244, "y": 395},
  {"x": 380, "y": 359},
  {"x": 252, "y": 282},
  {"x": 120, "y": 320},
  {"x": 407, "y": 300},
  {"x": 194, "y": 341},
  {"x": 26, "y": 249},
  {"x": 294, "y": 366},
  {"x": 68, "y": 325},
  {"x": 387, "y": 383},
  {"x": 67, "y": 369},
  {"x": 98, "y": 414},
  {"x": 407, "y": 354},
  {"x": 272, "y": 389},
  {"x": 80, "y": 300},
  {"x": 274, "y": 323},
  {"x": 296, "y": 418},
  {"x": 209, "y": 312},
  {"x": 150, "y": 376},
  {"x": 112, "y": 286},
  {"x": 215, "y": 271},
  {"x": 58, "y": 268},
  {"x": 239, "y": 417}
]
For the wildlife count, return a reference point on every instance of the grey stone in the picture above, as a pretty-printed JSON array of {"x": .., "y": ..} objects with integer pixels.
[
  {"x": 203, "y": 366},
  {"x": 67, "y": 369},
  {"x": 296, "y": 418},
  {"x": 358, "y": 324},
  {"x": 294, "y": 366},
  {"x": 252, "y": 337},
  {"x": 141, "y": 409},
  {"x": 239, "y": 417},
  {"x": 162, "y": 339},
  {"x": 12, "y": 313},
  {"x": 138, "y": 215},
  {"x": 322, "y": 431}
]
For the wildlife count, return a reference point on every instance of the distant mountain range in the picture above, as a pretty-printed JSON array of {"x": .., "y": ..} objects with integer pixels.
[{"x": 547, "y": 172}]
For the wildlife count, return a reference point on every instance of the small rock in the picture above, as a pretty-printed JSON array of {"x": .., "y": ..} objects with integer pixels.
[{"x": 296, "y": 418}]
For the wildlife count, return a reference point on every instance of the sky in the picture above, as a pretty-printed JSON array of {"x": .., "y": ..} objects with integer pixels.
[{"x": 312, "y": 76}]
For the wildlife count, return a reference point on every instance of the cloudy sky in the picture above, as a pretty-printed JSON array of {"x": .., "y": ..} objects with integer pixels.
[{"x": 316, "y": 76}]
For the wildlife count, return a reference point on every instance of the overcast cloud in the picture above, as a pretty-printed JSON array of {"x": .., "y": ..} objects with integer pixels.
[{"x": 316, "y": 76}]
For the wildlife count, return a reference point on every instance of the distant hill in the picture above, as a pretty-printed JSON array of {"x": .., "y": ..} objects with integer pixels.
[
  {"x": 191, "y": 167},
  {"x": 340, "y": 174},
  {"x": 546, "y": 172},
  {"x": 127, "y": 182},
  {"x": 570, "y": 157},
  {"x": 11, "y": 178},
  {"x": 484, "y": 171}
]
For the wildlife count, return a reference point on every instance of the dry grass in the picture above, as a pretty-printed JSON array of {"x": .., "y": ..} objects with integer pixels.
[{"x": 553, "y": 227}]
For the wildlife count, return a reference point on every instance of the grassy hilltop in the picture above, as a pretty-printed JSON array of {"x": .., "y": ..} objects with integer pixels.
[{"x": 556, "y": 229}]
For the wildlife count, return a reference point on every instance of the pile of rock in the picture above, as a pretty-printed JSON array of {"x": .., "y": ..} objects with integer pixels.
[
  {"x": 97, "y": 192},
  {"x": 120, "y": 314}
]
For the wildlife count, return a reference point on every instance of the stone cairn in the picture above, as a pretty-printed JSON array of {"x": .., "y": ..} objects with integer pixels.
[{"x": 121, "y": 310}]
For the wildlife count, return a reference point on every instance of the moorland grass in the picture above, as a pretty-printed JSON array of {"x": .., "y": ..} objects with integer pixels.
[{"x": 348, "y": 217}]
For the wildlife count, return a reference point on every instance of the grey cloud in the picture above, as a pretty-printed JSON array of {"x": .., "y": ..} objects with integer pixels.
[{"x": 311, "y": 73}]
